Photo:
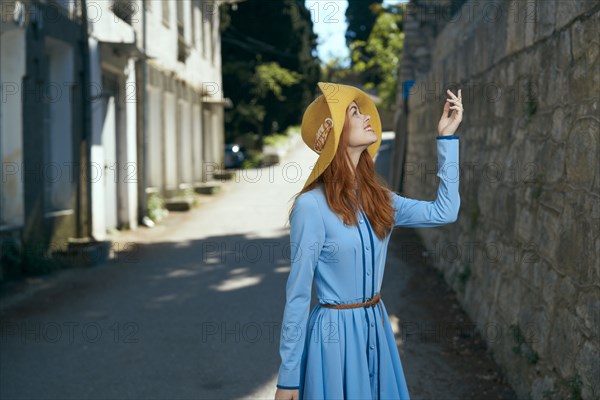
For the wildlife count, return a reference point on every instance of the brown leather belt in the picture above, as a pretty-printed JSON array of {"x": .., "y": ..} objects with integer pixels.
[{"x": 370, "y": 303}]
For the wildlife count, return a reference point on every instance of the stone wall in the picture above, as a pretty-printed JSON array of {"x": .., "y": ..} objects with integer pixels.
[{"x": 524, "y": 255}]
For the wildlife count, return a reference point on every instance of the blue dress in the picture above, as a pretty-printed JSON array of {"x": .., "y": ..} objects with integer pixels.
[{"x": 350, "y": 353}]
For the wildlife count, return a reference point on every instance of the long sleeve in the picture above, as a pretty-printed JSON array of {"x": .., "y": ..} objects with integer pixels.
[
  {"x": 444, "y": 209},
  {"x": 307, "y": 236}
]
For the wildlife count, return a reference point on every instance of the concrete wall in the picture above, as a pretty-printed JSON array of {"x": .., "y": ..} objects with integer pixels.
[
  {"x": 524, "y": 253},
  {"x": 12, "y": 69}
]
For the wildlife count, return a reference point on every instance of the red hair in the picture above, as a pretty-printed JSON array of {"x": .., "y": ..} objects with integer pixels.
[{"x": 373, "y": 193}]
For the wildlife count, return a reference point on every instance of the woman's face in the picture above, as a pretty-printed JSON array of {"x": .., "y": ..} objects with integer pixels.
[{"x": 357, "y": 127}]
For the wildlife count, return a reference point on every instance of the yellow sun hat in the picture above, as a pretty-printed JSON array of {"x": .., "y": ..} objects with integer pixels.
[{"x": 323, "y": 121}]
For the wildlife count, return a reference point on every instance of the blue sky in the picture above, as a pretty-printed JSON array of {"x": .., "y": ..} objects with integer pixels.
[{"x": 329, "y": 22}]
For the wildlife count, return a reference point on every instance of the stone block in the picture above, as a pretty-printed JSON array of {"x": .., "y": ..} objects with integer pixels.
[
  {"x": 568, "y": 10},
  {"x": 553, "y": 200},
  {"x": 529, "y": 20},
  {"x": 481, "y": 48},
  {"x": 566, "y": 290},
  {"x": 541, "y": 387},
  {"x": 549, "y": 282},
  {"x": 551, "y": 162},
  {"x": 211, "y": 187},
  {"x": 545, "y": 18},
  {"x": 182, "y": 203},
  {"x": 511, "y": 74},
  {"x": 561, "y": 121},
  {"x": 223, "y": 175},
  {"x": 516, "y": 26},
  {"x": 565, "y": 342},
  {"x": 584, "y": 80},
  {"x": 564, "y": 55},
  {"x": 509, "y": 299},
  {"x": 585, "y": 262},
  {"x": 525, "y": 224},
  {"x": 588, "y": 309},
  {"x": 533, "y": 322},
  {"x": 547, "y": 55},
  {"x": 582, "y": 153},
  {"x": 588, "y": 368},
  {"x": 84, "y": 253},
  {"x": 580, "y": 38}
]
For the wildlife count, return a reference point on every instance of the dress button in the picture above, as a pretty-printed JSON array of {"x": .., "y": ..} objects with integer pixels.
[
  {"x": 368, "y": 248},
  {"x": 361, "y": 221},
  {"x": 369, "y": 273},
  {"x": 372, "y": 346},
  {"x": 372, "y": 324}
]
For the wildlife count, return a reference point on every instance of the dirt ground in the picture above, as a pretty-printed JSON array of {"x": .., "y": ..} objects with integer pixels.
[
  {"x": 442, "y": 355},
  {"x": 169, "y": 292}
]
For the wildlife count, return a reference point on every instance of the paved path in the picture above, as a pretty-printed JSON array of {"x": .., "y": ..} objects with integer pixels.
[{"x": 192, "y": 311}]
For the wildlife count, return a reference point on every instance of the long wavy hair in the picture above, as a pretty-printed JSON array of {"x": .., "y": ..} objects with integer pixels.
[{"x": 347, "y": 191}]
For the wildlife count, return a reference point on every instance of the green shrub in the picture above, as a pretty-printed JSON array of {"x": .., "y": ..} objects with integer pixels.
[
  {"x": 253, "y": 159},
  {"x": 156, "y": 207}
]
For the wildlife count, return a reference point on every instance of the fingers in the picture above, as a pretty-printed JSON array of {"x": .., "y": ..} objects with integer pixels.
[
  {"x": 456, "y": 101},
  {"x": 452, "y": 94},
  {"x": 456, "y": 98}
]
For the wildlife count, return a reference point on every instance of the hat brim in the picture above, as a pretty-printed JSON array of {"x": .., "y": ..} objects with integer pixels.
[{"x": 338, "y": 97}]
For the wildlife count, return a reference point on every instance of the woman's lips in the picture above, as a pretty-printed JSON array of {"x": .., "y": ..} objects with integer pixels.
[{"x": 368, "y": 128}]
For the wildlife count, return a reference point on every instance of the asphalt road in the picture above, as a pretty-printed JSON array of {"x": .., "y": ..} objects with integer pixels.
[{"x": 191, "y": 309}]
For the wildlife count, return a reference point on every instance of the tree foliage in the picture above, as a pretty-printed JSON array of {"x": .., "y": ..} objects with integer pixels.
[
  {"x": 270, "y": 69},
  {"x": 361, "y": 18},
  {"x": 377, "y": 58}
]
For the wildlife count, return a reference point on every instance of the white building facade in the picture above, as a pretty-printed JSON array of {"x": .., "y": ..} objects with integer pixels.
[{"x": 86, "y": 132}]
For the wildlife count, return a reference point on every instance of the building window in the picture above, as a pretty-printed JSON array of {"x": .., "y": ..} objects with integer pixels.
[
  {"x": 208, "y": 15},
  {"x": 209, "y": 10},
  {"x": 193, "y": 17},
  {"x": 211, "y": 36},
  {"x": 202, "y": 30},
  {"x": 183, "y": 50},
  {"x": 165, "y": 12}
]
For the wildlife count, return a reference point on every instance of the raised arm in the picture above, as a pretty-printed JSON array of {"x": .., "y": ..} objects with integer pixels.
[
  {"x": 444, "y": 209},
  {"x": 307, "y": 235}
]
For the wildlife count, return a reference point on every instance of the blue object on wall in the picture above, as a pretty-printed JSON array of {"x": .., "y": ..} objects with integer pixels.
[{"x": 406, "y": 86}]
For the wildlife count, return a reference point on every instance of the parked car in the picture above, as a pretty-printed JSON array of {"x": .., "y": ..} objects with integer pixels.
[{"x": 234, "y": 156}]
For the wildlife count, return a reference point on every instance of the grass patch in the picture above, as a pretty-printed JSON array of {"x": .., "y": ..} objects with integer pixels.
[
  {"x": 253, "y": 159},
  {"x": 277, "y": 139},
  {"x": 156, "y": 207}
]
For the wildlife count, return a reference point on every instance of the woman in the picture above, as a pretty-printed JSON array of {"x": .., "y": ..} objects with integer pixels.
[{"x": 340, "y": 227}]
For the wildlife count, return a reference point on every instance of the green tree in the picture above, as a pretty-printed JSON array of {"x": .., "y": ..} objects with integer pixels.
[
  {"x": 361, "y": 18},
  {"x": 377, "y": 59},
  {"x": 269, "y": 79},
  {"x": 269, "y": 62}
]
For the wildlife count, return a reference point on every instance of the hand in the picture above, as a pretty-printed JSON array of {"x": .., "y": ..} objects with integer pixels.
[
  {"x": 287, "y": 394},
  {"x": 448, "y": 125}
]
